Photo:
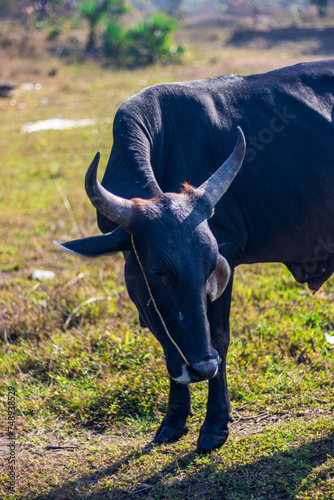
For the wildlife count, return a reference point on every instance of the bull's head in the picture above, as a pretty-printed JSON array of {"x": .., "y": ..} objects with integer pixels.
[{"x": 173, "y": 265}]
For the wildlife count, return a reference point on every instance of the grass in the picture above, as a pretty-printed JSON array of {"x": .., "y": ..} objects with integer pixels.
[{"x": 91, "y": 385}]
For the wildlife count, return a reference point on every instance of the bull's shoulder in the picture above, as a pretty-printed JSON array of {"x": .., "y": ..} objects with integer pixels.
[{"x": 145, "y": 118}]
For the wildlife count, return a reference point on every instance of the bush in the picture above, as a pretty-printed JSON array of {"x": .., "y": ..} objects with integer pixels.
[
  {"x": 150, "y": 41},
  {"x": 95, "y": 10},
  {"x": 114, "y": 41}
]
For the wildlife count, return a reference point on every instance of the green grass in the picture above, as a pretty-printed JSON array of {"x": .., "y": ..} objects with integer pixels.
[{"x": 89, "y": 381}]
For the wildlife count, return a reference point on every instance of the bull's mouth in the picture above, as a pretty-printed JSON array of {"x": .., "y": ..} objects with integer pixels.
[{"x": 204, "y": 370}]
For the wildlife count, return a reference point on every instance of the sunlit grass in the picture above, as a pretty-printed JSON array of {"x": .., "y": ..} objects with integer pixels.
[{"x": 88, "y": 379}]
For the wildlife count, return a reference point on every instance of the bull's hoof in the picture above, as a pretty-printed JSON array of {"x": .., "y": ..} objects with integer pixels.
[
  {"x": 168, "y": 434},
  {"x": 209, "y": 441}
]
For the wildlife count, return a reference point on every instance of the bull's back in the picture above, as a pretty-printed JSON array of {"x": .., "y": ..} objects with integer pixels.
[{"x": 282, "y": 199}]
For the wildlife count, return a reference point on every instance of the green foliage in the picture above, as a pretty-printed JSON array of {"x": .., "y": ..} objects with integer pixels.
[
  {"x": 115, "y": 41},
  {"x": 95, "y": 10},
  {"x": 53, "y": 34},
  {"x": 150, "y": 41}
]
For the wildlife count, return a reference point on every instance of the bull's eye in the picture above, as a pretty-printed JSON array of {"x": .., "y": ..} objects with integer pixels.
[{"x": 156, "y": 273}]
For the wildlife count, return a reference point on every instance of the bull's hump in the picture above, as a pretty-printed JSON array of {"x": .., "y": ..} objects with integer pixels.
[{"x": 193, "y": 89}]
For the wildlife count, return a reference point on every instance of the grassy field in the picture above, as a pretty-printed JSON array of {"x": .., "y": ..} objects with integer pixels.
[{"x": 90, "y": 385}]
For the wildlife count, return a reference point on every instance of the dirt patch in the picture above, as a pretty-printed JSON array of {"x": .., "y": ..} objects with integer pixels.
[
  {"x": 5, "y": 278},
  {"x": 247, "y": 424}
]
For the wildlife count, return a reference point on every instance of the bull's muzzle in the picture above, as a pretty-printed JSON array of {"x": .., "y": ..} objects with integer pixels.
[
  {"x": 197, "y": 372},
  {"x": 206, "y": 369}
]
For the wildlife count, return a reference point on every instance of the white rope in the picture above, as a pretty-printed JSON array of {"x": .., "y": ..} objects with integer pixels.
[{"x": 155, "y": 305}]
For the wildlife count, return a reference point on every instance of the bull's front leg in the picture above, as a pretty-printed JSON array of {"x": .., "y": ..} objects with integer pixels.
[
  {"x": 214, "y": 432},
  {"x": 174, "y": 425}
]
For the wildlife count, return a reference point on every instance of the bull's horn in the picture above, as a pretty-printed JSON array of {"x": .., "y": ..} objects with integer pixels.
[
  {"x": 117, "y": 209},
  {"x": 218, "y": 183}
]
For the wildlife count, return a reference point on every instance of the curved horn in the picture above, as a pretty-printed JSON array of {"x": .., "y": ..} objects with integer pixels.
[
  {"x": 117, "y": 209},
  {"x": 219, "y": 182}
]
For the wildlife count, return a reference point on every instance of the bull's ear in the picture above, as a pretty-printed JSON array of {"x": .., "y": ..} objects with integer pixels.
[
  {"x": 218, "y": 280},
  {"x": 96, "y": 246}
]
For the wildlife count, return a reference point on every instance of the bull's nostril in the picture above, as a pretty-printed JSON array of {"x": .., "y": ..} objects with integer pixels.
[{"x": 206, "y": 369}]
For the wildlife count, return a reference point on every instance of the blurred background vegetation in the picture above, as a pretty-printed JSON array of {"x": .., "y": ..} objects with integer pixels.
[{"x": 132, "y": 33}]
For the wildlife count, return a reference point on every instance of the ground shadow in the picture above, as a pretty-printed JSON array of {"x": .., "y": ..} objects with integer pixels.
[
  {"x": 278, "y": 477},
  {"x": 268, "y": 38}
]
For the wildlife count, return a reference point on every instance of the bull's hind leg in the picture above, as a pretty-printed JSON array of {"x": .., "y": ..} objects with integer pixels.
[
  {"x": 214, "y": 431},
  {"x": 174, "y": 425}
]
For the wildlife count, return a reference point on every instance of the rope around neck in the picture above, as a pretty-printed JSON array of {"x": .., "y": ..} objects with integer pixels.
[{"x": 155, "y": 305}]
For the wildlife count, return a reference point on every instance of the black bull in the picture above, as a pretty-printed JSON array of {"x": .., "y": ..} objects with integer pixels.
[{"x": 181, "y": 247}]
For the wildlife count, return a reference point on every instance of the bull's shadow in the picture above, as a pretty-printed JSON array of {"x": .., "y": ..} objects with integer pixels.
[{"x": 278, "y": 477}]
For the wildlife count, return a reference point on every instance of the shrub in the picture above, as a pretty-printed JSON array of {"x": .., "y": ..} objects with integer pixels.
[
  {"x": 152, "y": 40},
  {"x": 95, "y": 10},
  {"x": 114, "y": 41}
]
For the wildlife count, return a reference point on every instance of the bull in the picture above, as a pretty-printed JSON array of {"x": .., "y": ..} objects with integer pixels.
[{"x": 185, "y": 214}]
